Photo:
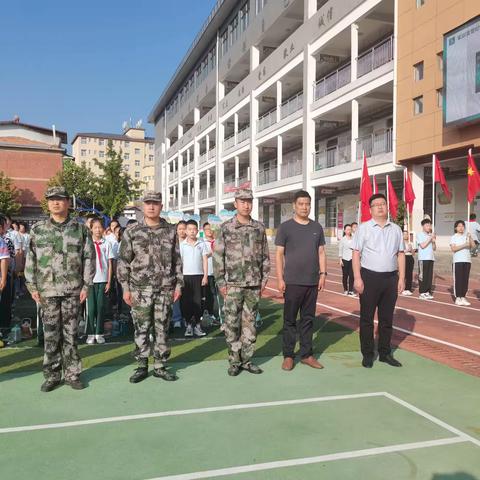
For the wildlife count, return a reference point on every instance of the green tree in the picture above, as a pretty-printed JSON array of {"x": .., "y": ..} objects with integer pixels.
[
  {"x": 8, "y": 196},
  {"x": 401, "y": 215},
  {"x": 114, "y": 188}
]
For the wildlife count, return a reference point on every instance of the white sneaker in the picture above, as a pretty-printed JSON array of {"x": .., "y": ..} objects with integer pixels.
[
  {"x": 458, "y": 301},
  {"x": 198, "y": 331},
  {"x": 352, "y": 294},
  {"x": 406, "y": 293},
  {"x": 423, "y": 296},
  {"x": 409, "y": 292},
  {"x": 189, "y": 331},
  {"x": 429, "y": 296},
  {"x": 465, "y": 302},
  {"x": 91, "y": 339},
  {"x": 177, "y": 324},
  {"x": 99, "y": 339},
  {"x": 345, "y": 292}
]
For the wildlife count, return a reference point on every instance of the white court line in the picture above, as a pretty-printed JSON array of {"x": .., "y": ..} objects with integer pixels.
[
  {"x": 192, "y": 411},
  {"x": 410, "y": 332},
  {"x": 311, "y": 460}
]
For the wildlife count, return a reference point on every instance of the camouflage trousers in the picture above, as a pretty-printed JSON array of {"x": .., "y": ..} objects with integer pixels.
[
  {"x": 60, "y": 326},
  {"x": 151, "y": 312},
  {"x": 240, "y": 311}
]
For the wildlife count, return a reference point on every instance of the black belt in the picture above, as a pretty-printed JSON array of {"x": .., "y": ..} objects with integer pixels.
[{"x": 379, "y": 274}]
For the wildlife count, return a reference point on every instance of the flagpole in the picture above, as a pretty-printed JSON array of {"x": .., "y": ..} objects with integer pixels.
[
  {"x": 388, "y": 200},
  {"x": 433, "y": 193},
  {"x": 468, "y": 203},
  {"x": 405, "y": 173}
]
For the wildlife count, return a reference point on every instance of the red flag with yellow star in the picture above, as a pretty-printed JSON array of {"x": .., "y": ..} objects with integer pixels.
[{"x": 473, "y": 178}]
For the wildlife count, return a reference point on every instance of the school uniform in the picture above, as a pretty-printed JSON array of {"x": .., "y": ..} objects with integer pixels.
[
  {"x": 409, "y": 264},
  {"x": 462, "y": 261},
  {"x": 378, "y": 248},
  {"x": 426, "y": 259},
  {"x": 345, "y": 253}
]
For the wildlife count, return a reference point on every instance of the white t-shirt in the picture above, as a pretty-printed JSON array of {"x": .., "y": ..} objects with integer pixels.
[
  {"x": 474, "y": 228},
  {"x": 427, "y": 252},
  {"x": 462, "y": 255},
  {"x": 192, "y": 257},
  {"x": 208, "y": 243},
  {"x": 101, "y": 264}
]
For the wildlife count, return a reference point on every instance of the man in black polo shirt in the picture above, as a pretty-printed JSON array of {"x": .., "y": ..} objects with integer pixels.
[{"x": 301, "y": 270}]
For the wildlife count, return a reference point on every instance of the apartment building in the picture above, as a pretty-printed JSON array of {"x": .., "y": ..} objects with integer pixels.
[
  {"x": 138, "y": 152},
  {"x": 281, "y": 95},
  {"x": 427, "y": 29}
]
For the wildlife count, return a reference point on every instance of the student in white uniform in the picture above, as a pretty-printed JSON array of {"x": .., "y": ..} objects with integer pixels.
[{"x": 345, "y": 247}]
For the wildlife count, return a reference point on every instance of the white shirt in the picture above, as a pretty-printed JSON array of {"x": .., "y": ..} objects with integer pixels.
[
  {"x": 192, "y": 257},
  {"x": 101, "y": 264},
  {"x": 208, "y": 243},
  {"x": 345, "y": 248},
  {"x": 427, "y": 252},
  {"x": 379, "y": 246},
  {"x": 474, "y": 229},
  {"x": 462, "y": 255},
  {"x": 16, "y": 239}
]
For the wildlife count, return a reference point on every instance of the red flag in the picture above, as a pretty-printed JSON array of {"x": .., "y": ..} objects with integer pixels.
[
  {"x": 440, "y": 177},
  {"x": 473, "y": 178},
  {"x": 408, "y": 192},
  {"x": 365, "y": 192},
  {"x": 392, "y": 200}
]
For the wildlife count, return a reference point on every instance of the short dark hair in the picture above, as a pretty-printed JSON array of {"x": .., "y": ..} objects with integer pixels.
[
  {"x": 301, "y": 194},
  {"x": 345, "y": 227},
  {"x": 374, "y": 197},
  {"x": 425, "y": 221},
  {"x": 97, "y": 220},
  {"x": 473, "y": 216},
  {"x": 206, "y": 224},
  {"x": 354, "y": 223},
  {"x": 457, "y": 223},
  {"x": 181, "y": 222},
  {"x": 192, "y": 222}
]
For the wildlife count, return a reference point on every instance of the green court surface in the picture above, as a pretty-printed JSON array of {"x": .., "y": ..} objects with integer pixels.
[{"x": 344, "y": 422}]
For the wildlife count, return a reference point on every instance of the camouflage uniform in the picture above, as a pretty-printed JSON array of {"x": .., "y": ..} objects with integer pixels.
[
  {"x": 241, "y": 263},
  {"x": 150, "y": 268},
  {"x": 60, "y": 264}
]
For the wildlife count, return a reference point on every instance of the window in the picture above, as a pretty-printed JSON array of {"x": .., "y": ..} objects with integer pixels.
[
  {"x": 418, "y": 105},
  {"x": 418, "y": 71},
  {"x": 101, "y": 141},
  {"x": 137, "y": 174},
  {"x": 127, "y": 144},
  {"x": 101, "y": 154},
  {"x": 126, "y": 168},
  {"x": 126, "y": 156},
  {"x": 259, "y": 5},
  {"x": 440, "y": 61},
  {"x": 244, "y": 16},
  {"x": 83, "y": 140},
  {"x": 83, "y": 153},
  {"x": 224, "y": 42},
  {"x": 233, "y": 30},
  {"x": 331, "y": 212},
  {"x": 420, "y": 3},
  {"x": 150, "y": 158},
  {"x": 440, "y": 97},
  {"x": 137, "y": 151},
  {"x": 137, "y": 163}
]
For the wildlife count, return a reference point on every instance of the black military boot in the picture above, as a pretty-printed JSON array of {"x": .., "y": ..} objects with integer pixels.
[
  {"x": 75, "y": 383},
  {"x": 164, "y": 374},
  {"x": 49, "y": 385},
  {"x": 139, "y": 375},
  {"x": 252, "y": 368},
  {"x": 233, "y": 370}
]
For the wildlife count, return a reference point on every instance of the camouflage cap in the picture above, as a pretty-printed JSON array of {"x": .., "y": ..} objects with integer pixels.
[
  {"x": 59, "y": 191},
  {"x": 152, "y": 196},
  {"x": 244, "y": 194}
]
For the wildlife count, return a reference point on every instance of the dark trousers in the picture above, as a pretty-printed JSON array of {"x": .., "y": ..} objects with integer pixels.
[
  {"x": 6, "y": 304},
  {"x": 96, "y": 308},
  {"x": 425, "y": 276},
  {"x": 299, "y": 298},
  {"x": 380, "y": 292},
  {"x": 347, "y": 275},
  {"x": 211, "y": 304},
  {"x": 191, "y": 299},
  {"x": 409, "y": 263},
  {"x": 461, "y": 275}
]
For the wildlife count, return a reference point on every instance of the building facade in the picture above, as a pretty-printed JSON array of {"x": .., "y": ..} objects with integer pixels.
[
  {"x": 138, "y": 152},
  {"x": 30, "y": 155},
  {"x": 283, "y": 95}
]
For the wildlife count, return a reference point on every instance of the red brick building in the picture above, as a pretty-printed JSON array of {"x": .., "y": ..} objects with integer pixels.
[{"x": 30, "y": 156}]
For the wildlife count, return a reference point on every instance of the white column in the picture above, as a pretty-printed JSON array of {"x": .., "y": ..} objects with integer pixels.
[
  {"x": 207, "y": 143},
  {"x": 188, "y": 157},
  {"x": 310, "y": 8},
  {"x": 221, "y": 90},
  {"x": 180, "y": 130},
  {"x": 179, "y": 182},
  {"x": 253, "y": 169},
  {"x": 279, "y": 100},
  {"x": 237, "y": 170},
  {"x": 189, "y": 190},
  {"x": 254, "y": 58},
  {"x": 235, "y": 127},
  {"x": 308, "y": 144},
  {"x": 418, "y": 187},
  {"x": 279, "y": 156},
  {"x": 196, "y": 115},
  {"x": 254, "y": 179},
  {"x": 353, "y": 50},
  {"x": 353, "y": 147},
  {"x": 208, "y": 183}
]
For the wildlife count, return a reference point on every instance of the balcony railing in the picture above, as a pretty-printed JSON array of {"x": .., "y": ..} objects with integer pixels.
[
  {"x": 292, "y": 105},
  {"x": 368, "y": 61},
  {"x": 212, "y": 152},
  {"x": 291, "y": 169},
  {"x": 204, "y": 195},
  {"x": 187, "y": 168},
  {"x": 173, "y": 204},
  {"x": 229, "y": 142},
  {"x": 231, "y": 184},
  {"x": 331, "y": 157},
  {"x": 375, "y": 144},
  {"x": 268, "y": 175},
  {"x": 243, "y": 134},
  {"x": 172, "y": 176},
  {"x": 202, "y": 158},
  {"x": 188, "y": 199},
  {"x": 377, "y": 56},
  {"x": 267, "y": 120}
]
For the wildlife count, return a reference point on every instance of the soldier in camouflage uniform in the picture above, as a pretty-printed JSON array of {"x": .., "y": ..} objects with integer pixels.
[
  {"x": 150, "y": 272},
  {"x": 241, "y": 265},
  {"x": 59, "y": 269}
]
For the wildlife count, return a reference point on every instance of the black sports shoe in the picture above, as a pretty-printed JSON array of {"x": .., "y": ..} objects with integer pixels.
[
  {"x": 75, "y": 383},
  {"x": 164, "y": 374},
  {"x": 367, "y": 362},
  {"x": 138, "y": 375},
  {"x": 49, "y": 385},
  {"x": 390, "y": 360},
  {"x": 252, "y": 368},
  {"x": 233, "y": 370}
]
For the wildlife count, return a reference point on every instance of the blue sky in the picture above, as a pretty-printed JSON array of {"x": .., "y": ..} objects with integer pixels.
[{"x": 89, "y": 65}]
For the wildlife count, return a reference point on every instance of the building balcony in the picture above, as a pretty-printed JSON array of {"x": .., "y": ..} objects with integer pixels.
[
  {"x": 267, "y": 120},
  {"x": 290, "y": 172},
  {"x": 186, "y": 169},
  {"x": 172, "y": 176},
  {"x": 207, "y": 156},
  {"x": 173, "y": 204},
  {"x": 206, "y": 195},
  {"x": 292, "y": 105},
  {"x": 232, "y": 184},
  {"x": 368, "y": 61},
  {"x": 242, "y": 136},
  {"x": 188, "y": 200},
  {"x": 229, "y": 142},
  {"x": 377, "y": 143}
]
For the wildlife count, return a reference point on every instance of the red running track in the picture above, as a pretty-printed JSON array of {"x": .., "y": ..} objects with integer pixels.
[{"x": 436, "y": 329}]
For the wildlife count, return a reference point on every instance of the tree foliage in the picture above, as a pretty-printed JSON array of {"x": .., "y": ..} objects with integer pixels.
[{"x": 8, "y": 196}]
